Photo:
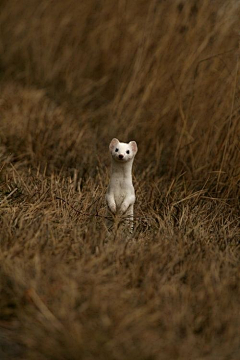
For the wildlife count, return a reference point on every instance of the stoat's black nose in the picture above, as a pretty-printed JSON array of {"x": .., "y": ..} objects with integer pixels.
[{"x": 120, "y": 156}]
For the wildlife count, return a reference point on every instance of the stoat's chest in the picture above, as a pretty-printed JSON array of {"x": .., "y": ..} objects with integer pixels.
[{"x": 120, "y": 188}]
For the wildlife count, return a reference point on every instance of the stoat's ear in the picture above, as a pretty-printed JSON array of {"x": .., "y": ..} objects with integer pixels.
[
  {"x": 134, "y": 147},
  {"x": 113, "y": 143}
]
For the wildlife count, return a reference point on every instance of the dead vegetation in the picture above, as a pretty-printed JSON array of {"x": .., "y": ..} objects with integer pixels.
[{"x": 73, "y": 75}]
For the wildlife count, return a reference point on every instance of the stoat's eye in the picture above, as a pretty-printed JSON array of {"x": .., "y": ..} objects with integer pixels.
[
  {"x": 116, "y": 150},
  {"x": 128, "y": 152}
]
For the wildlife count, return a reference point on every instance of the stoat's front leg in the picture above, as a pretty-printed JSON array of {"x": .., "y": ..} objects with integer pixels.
[
  {"x": 128, "y": 201},
  {"x": 111, "y": 203}
]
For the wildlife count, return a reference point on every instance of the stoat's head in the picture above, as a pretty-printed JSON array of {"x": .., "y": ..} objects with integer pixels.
[{"x": 122, "y": 152}]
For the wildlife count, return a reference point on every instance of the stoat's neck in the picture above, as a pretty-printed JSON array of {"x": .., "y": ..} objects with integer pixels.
[{"x": 122, "y": 171}]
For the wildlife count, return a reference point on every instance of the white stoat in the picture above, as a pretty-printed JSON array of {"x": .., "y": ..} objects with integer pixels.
[{"x": 120, "y": 196}]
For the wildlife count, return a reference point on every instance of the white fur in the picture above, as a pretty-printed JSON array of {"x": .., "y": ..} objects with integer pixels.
[{"x": 120, "y": 196}]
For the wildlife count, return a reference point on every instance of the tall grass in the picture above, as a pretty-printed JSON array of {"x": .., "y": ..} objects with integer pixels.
[{"x": 73, "y": 75}]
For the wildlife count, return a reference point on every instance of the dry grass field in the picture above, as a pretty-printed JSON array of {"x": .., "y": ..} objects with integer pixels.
[{"x": 74, "y": 74}]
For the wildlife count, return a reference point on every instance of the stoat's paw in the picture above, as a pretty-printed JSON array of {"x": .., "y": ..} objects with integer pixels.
[
  {"x": 112, "y": 207},
  {"x": 111, "y": 204},
  {"x": 126, "y": 203},
  {"x": 123, "y": 208}
]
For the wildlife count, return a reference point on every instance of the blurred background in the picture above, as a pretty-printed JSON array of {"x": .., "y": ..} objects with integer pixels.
[{"x": 74, "y": 74}]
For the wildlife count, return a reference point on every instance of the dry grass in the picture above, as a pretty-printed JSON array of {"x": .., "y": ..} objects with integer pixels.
[{"x": 73, "y": 75}]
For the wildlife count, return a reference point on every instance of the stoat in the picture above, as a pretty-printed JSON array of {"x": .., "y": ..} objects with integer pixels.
[{"x": 120, "y": 196}]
